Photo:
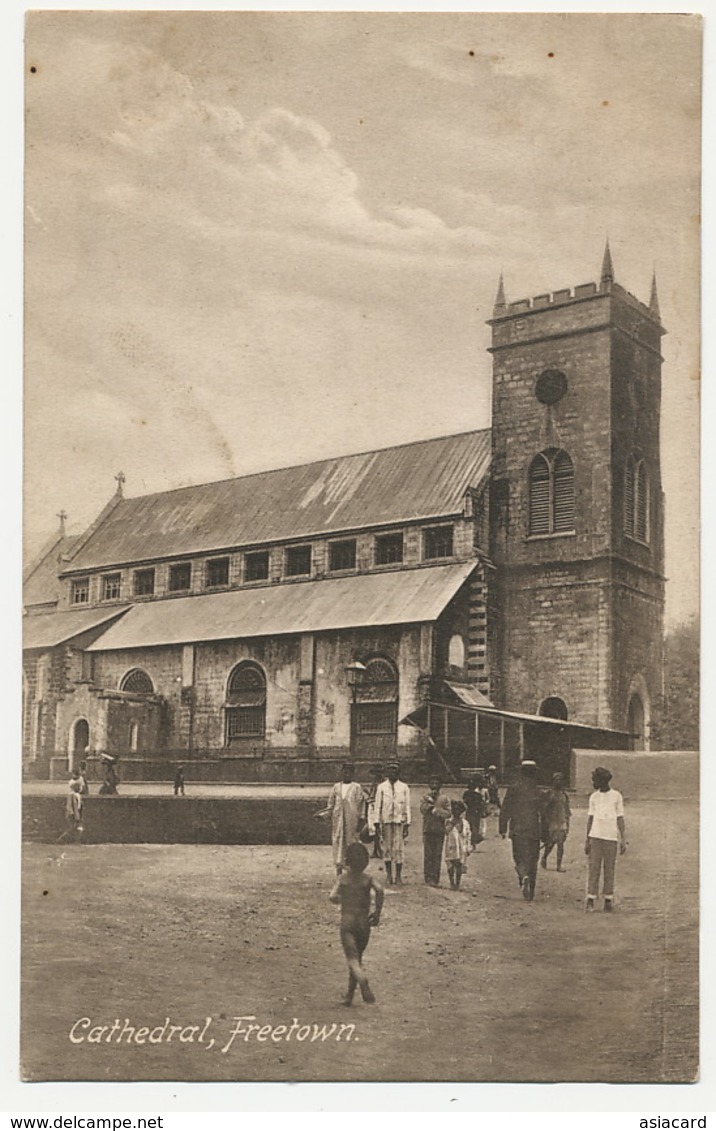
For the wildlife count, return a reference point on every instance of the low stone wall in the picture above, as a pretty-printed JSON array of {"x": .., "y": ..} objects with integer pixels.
[
  {"x": 638, "y": 775},
  {"x": 180, "y": 820},
  {"x": 298, "y": 771}
]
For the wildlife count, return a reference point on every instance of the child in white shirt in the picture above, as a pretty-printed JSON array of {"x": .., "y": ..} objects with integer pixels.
[{"x": 605, "y": 832}]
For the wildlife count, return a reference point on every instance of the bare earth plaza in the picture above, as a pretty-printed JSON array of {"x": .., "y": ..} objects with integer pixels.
[
  {"x": 378, "y": 660},
  {"x": 471, "y": 985}
]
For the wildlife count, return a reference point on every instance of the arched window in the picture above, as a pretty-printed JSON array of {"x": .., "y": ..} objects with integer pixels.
[
  {"x": 554, "y": 708},
  {"x": 636, "y": 499},
  {"x": 551, "y": 493},
  {"x": 456, "y": 651},
  {"x": 138, "y": 682},
  {"x": 245, "y": 703},
  {"x": 374, "y": 716}
]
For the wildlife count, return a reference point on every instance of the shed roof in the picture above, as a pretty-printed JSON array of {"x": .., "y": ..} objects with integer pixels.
[
  {"x": 419, "y": 718},
  {"x": 371, "y": 599},
  {"x": 46, "y": 630},
  {"x": 400, "y": 484}
]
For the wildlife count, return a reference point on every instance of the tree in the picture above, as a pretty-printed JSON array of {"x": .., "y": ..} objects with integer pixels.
[{"x": 677, "y": 728}]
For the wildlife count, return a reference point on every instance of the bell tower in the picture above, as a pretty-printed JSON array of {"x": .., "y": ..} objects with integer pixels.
[{"x": 576, "y": 521}]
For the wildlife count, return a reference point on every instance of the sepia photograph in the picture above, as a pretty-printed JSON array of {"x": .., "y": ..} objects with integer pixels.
[{"x": 360, "y": 645}]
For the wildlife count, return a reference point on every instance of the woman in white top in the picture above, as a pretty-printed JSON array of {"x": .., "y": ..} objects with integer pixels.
[{"x": 605, "y": 831}]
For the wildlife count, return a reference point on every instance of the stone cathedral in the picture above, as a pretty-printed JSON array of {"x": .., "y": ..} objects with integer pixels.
[{"x": 472, "y": 599}]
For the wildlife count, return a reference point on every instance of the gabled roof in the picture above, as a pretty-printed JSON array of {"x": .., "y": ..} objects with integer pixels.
[
  {"x": 41, "y": 579},
  {"x": 409, "y": 596},
  {"x": 411, "y": 482}
]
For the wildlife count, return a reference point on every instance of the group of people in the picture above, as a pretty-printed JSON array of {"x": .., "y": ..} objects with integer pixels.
[{"x": 536, "y": 820}]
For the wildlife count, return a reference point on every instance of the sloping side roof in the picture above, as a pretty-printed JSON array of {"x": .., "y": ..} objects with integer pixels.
[
  {"x": 419, "y": 718},
  {"x": 41, "y": 582},
  {"x": 49, "y": 629},
  {"x": 469, "y": 696},
  {"x": 414, "y": 481},
  {"x": 401, "y": 597}
]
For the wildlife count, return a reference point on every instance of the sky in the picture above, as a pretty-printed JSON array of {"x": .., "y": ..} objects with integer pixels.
[{"x": 254, "y": 239}]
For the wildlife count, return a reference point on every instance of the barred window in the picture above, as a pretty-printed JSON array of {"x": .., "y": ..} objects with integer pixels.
[
  {"x": 246, "y": 703},
  {"x": 217, "y": 573},
  {"x": 551, "y": 494},
  {"x": 375, "y": 708},
  {"x": 375, "y": 718},
  {"x": 437, "y": 542},
  {"x": 179, "y": 577},
  {"x": 389, "y": 548},
  {"x": 80, "y": 591},
  {"x": 138, "y": 682},
  {"x": 256, "y": 566},
  {"x": 342, "y": 555},
  {"x": 143, "y": 582},
  {"x": 636, "y": 499},
  {"x": 111, "y": 586},
  {"x": 298, "y": 561}
]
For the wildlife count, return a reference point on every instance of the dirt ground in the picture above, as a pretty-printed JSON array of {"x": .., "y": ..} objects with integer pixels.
[{"x": 476, "y": 985}]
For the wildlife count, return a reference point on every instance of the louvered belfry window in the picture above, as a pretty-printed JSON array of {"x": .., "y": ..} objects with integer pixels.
[
  {"x": 539, "y": 496},
  {"x": 636, "y": 499},
  {"x": 246, "y": 703},
  {"x": 551, "y": 494}
]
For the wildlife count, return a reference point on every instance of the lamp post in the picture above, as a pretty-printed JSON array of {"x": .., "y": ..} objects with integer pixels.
[{"x": 355, "y": 673}]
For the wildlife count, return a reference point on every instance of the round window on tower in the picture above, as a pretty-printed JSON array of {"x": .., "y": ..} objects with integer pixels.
[{"x": 551, "y": 386}]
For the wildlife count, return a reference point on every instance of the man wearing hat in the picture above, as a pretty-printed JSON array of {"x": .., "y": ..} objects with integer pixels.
[
  {"x": 392, "y": 817},
  {"x": 606, "y": 832},
  {"x": 521, "y": 813}
]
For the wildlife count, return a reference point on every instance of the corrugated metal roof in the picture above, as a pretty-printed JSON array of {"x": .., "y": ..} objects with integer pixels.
[
  {"x": 418, "y": 718},
  {"x": 42, "y": 582},
  {"x": 470, "y": 696},
  {"x": 413, "y": 481},
  {"x": 400, "y": 597},
  {"x": 45, "y": 630}
]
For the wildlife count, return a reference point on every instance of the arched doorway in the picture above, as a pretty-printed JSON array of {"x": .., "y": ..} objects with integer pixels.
[
  {"x": 554, "y": 708},
  {"x": 636, "y": 722},
  {"x": 79, "y": 742}
]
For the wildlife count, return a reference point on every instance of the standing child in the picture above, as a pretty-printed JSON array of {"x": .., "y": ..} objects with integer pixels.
[
  {"x": 557, "y": 815},
  {"x": 84, "y": 788},
  {"x": 352, "y": 890},
  {"x": 179, "y": 781},
  {"x": 73, "y": 811},
  {"x": 493, "y": 783},
  {"x": 605, "y": 833},
  {"x": 476, "y": 808},
  {"x": 457, "y": 844},
  {"x": 377, "y": 776}
]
